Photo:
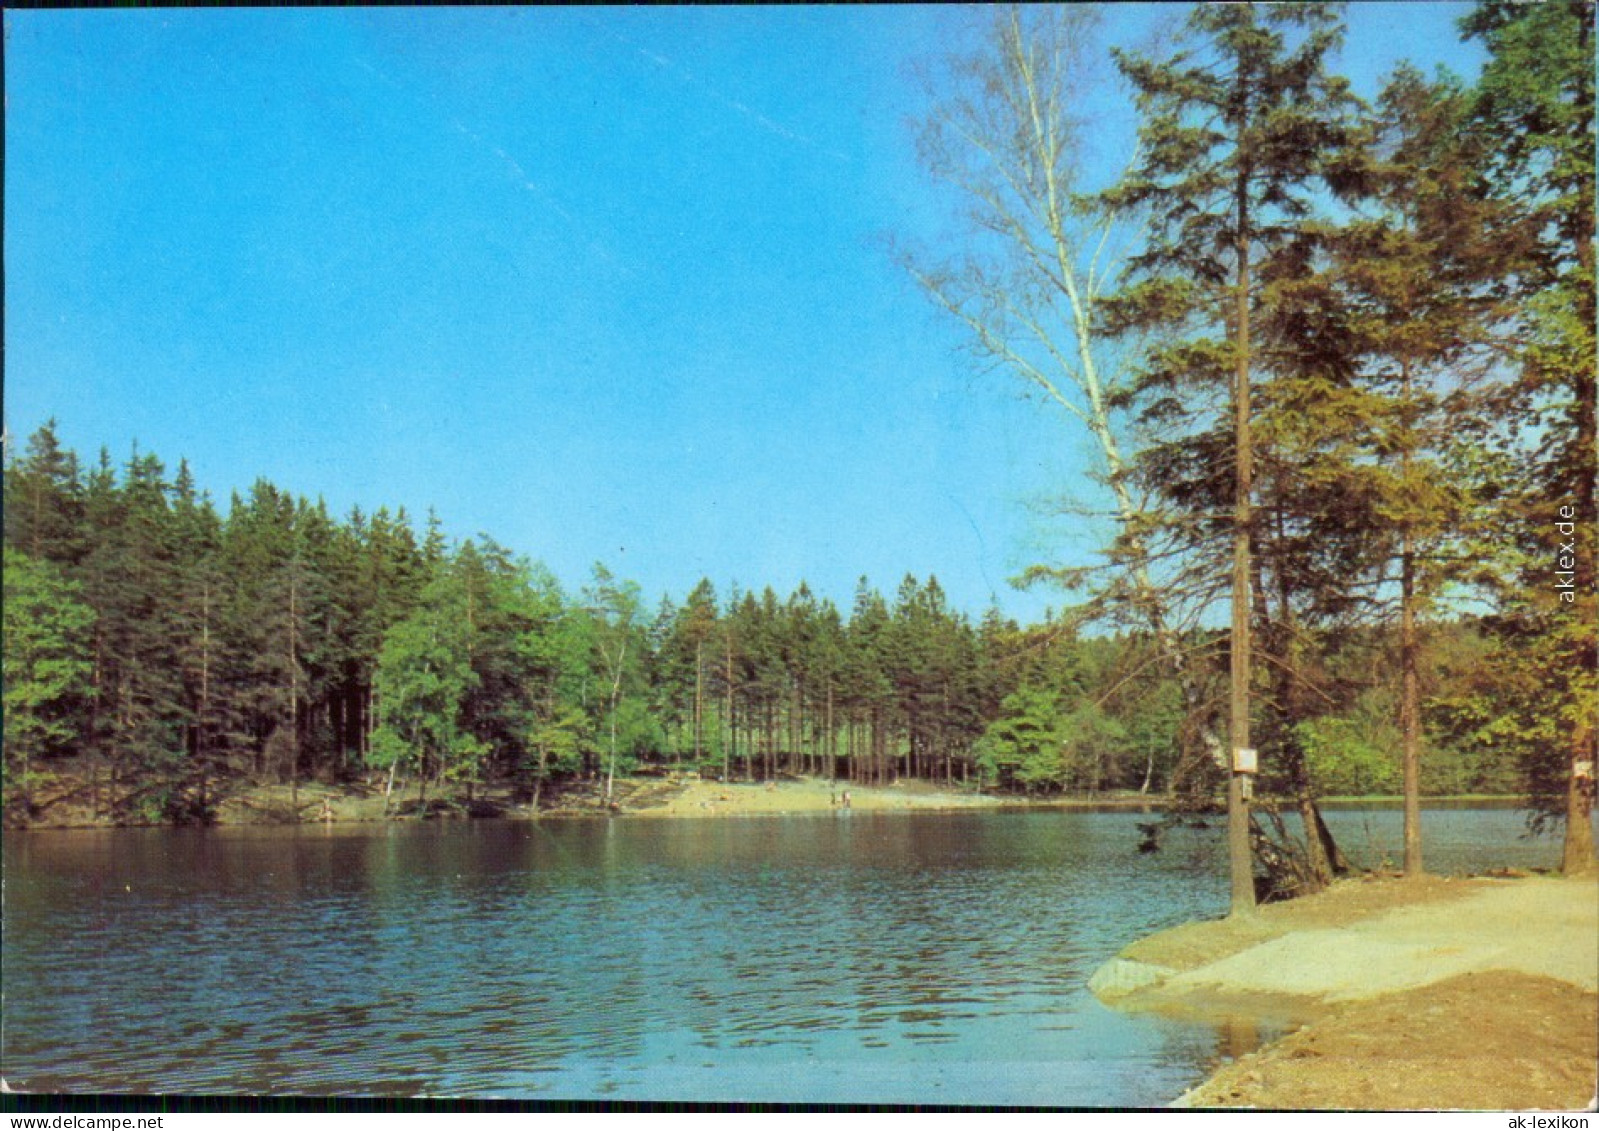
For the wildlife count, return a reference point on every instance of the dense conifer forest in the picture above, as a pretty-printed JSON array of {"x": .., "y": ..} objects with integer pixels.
[{"x": 171, "y": 651}]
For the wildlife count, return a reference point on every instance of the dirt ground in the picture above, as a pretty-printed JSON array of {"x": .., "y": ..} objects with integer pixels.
[
  {"x": 1497, "y": 1041},
  {"x": 1434, "y": 994}
]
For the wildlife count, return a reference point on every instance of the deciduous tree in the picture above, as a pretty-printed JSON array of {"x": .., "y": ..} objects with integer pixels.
[{"x": 47, "y": 669}]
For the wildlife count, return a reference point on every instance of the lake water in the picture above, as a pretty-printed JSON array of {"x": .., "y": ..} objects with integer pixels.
[{"x": 892, "y": 958}]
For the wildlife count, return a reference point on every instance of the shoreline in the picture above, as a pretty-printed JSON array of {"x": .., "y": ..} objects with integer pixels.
[
  {"x": 813, "y": 796},
  {"x": 1395, "y": 994},
  {"x": 669, "y": 796},
  {"x": 673, "y": 794}
]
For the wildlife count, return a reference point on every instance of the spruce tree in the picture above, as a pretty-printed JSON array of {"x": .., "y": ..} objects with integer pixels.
[
  {"x": 1412, "y": 277},
  {"x": 1534, "y": 109},
  {"x": 44, "y": 500},
  {"x": 1238, "y": 126}
]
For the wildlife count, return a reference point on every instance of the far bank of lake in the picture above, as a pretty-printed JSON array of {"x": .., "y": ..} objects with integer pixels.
[{"x": 668, "y": 794}]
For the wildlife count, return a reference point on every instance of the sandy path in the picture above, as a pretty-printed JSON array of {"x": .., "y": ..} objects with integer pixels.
[
  {"x": 1480, "y": 994},
  {"x": 1542, "y": 927}
]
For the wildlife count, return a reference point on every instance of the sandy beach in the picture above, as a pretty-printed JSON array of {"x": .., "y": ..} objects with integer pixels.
[
  {"x": 694, "y": 797},
  {"x": 1475, "y": 994}
]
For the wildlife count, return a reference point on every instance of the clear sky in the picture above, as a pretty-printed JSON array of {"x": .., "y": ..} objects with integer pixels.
[{"x": 605, "y": 283}]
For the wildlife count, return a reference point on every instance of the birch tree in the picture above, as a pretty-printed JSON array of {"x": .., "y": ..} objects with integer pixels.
[
  {"x": 1006, "y": 134},
  {"x": 614, "y": 606}
]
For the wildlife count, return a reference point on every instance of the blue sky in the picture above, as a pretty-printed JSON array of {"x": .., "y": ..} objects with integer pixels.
[{"x": 606, "y": 283}]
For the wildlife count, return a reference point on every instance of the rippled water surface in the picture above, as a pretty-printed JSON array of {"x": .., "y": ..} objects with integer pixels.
[{"x": 873, "y": 958}]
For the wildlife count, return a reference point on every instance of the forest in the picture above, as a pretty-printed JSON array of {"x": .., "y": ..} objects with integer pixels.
[
  {"x": 1340, "y": 378},
  {"x": 173, "y": 651}
]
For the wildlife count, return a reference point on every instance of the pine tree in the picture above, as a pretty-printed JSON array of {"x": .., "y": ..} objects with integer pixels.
[
  {"x": 824, "y": 663},
  {"x": 1237, "y": 130},
  {"x": 869, "y": 691},
  {"x": 1412, "y": 278},
  {"x": 203, "y": 652},
  {"x": 685, "y": 657},
  {"x": 1534, "y": 108},
  {"x": 514, "y": 645},
  {"x": 279, "y": 620},
  {"x": 390, "y": 574},
  {"x": 44, "y": 500},
  {"x": 129, "y": 576}
]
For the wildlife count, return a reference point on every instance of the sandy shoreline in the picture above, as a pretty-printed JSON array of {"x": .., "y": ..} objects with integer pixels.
[
  {"x": 681, "y": 793},
  {"x": 1434, "y": 994},
  {"x": 702, "y": 798},
  {"x": 672, "y": 795}
]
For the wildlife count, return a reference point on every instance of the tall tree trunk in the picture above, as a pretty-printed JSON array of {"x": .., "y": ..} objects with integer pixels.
[
  {"x": 1285, "y": 677},
  {"x": 538, "y": 782},
  {"x": 1409, "y": 674},
  {"x": 1240, "y": 859},
  {"x": 1577, "y": 857},
  {"x": 388, "y": 791},
  {"x": 1410, "y": 706},
  {"x": 699, "y": 697},
  {"x": 727, "y": 720},
  {"x": 294, "y": 694}
]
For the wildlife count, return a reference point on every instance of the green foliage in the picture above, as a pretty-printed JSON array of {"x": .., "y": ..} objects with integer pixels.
[
  {"x": 424, "y": 673},
  {"x": 47, "y": 669},
  {"x": 276, "y": 627},
  {"x": 638, "y": 734},
  {"x": 1026, "y": 745},
  {"x": 1534, "y": 111},
  {"x": 1093, "y": 745},
  {"x": 1151, "y": 719},
  {"x": 555, "y": 744},
  {"x": 1245, "y": 131},
  {"x": 1352, "y": 757},
  {"x": 44, "y": 503}
]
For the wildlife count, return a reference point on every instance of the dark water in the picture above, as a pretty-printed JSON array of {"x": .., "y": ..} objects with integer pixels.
[{"x": 876, "y": 958}]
